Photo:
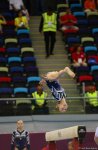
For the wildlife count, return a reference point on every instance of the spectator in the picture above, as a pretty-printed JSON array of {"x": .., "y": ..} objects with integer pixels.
[
  {"x": 89, "y": 5},
  {"x": 39, "y": 105},
  {"x": 91, "y": 100},
  {"x": 21, "y": 21},
  {"x": 48, "y": 25},
  {"x": 68, "y": 21},
  {"x": 2, "y": 21},
  {"x": 78, "y": 57},
  {"x": 20, "y": 138}
]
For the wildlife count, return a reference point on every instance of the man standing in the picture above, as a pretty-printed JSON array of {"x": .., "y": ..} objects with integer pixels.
[{"x": 48, "y": 25}]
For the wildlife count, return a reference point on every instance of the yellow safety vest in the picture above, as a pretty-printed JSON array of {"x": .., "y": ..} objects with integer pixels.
[
  {"x": 91, "y": 100},
  {"x": 40, "y": 99},
  {"x": 50, "y": 22}
]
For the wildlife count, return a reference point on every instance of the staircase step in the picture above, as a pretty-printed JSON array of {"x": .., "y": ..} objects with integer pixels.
[{"x": 55, "y": 62}]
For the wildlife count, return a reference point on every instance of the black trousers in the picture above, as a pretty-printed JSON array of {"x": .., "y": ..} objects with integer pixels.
[{"x": 50, "y": 39}]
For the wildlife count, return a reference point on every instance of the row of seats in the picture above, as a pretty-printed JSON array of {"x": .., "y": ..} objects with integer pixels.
[
  {"x": 19, "y": 74},
  {"x": 87, "y": 36}
]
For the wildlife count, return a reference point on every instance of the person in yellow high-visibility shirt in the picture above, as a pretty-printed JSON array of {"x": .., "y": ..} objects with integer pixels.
[
  {"x": 21, "y": 21},
  {"x": 39, "y": 104},
  {"x": 48, "y": 26},
  {"x": 91, "y": 100},
  {"x": 2, "y": 21}
]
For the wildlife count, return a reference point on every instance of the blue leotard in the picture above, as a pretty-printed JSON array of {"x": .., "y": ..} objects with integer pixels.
[{"x": 56, "y": 89}]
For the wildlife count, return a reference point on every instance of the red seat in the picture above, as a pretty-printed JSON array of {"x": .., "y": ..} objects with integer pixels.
[
  {"x": 84, "y": 78},
  {"x": 2, "y": 49},
  {"x": 11, "y": 22},
  {"x": 5, "y": 79}
]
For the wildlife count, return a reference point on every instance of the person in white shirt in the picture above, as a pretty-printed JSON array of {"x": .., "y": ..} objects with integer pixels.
[
  {"x": 15, "y": 4},
  {"x": 96, "y": 136}
]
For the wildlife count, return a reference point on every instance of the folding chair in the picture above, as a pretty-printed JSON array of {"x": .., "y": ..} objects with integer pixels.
[
  {"x": 3, "y": 61},
  {"x": 19, "y": 81},
  {"x": 86, "y": 79},
  {"x": 33, "y": 81},
  {"x": 82, "y": 70},
  {"x": 61, "y": 7},
  {"x": 6, "y": 92},
  {"x": 92, "y": 19},
  {"x": 4, "y": 71},
  {"x": 8, "y": 16},
  {"x": 92, "y": 61},
  {"x": 27, "y": 51},
  {"x": 13, "y": 51},
  {"x": 11, "y": 42},
  {"x": 2, "y": 51},
  {"x": 14, "y": 61},
  {"x": 79, "y": 15},
  {"x": 16, "y": 71},
  {"x": 84, "y": 31},
  {"x": 29, "y": 61},
  {"x": 9, "y": 33},
  {"x": 94, "y": 70},
  {"x": 5, "y": 81},
  {"x": 23, "y": 33},
  {"x": 81, "y": 23},
  {"x": 95, "y": 32},
  {"x": 31, "y": 71},
  {"x": 73, "y": 2},
  {"x": 21, "y": 92},
  {"x": 76, "y": 7},
  {"x": 25, "y": 42},
  {"x": 72, "y": 40},
  {"x": 90, "y": 50},
  {"x": 87, "y": 41}
]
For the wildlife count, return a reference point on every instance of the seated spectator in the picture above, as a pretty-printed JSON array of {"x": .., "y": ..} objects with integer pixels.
[
  {"x": 78, "y": 57},
  {"x": 21, "y": 21},
  {"x": 39, "y": 104},
  {"x": 91, "y": 100},
  {"x": 89, "y": 5},
  {"x": 68, "y": 21},
  {"x": 2, "y": 21}
]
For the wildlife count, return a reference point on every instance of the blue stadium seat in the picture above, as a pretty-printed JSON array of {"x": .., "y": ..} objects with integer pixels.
[
  {"x": 14, "y": 61},
  {"x": 29, "y": 60},
  {"x": 31, "y": 70},
  {"x": 16, "y": 71},
  {"x": 33, "y": 81},
  {"x": 21, "y": 92}
]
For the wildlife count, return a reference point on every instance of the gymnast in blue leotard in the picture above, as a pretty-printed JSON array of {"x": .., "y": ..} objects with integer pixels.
[
  {"x": 56, "y": 89},
  {"x": 51, "y": 80}
]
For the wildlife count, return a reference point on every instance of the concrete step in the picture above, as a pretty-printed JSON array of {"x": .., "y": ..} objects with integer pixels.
[{"x": 55, "y": 62}]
